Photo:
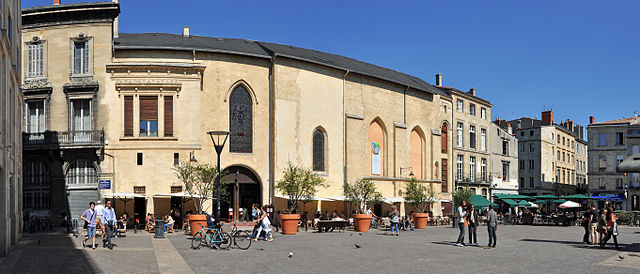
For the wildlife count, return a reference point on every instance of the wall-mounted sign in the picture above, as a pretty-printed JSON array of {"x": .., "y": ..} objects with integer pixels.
[
  {"x": 104, "y": 184},
  {"x": 375, "y": 158}
]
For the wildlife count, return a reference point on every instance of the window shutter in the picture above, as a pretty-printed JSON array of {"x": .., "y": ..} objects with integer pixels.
[
  {"x": 85, "y": 57},
  {"x": 30, "y": 61},
  {"x": 168, "y": 116},
  {"x": 40, "y": 69},
  {"x": 128, "y": 116},
  {"x": 148, "y": 108}
]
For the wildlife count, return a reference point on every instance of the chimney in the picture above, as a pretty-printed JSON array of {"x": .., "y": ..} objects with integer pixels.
[
  {"x": 509, "y": 128},
  {"x": 185, "y": 31},
  {"x": 56, "y": 2},
  {"x": 570, "y": 125},
  {"x": 592, "y": 120},
  {"x": 472, "y": 91},
  {"x": 547, "y": 117},
  {"x": 115, "y": 24},
  {"x": 438, "y": 80}
]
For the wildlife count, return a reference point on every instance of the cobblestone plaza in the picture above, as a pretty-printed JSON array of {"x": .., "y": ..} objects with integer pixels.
[{"x": 530, "y": 249}]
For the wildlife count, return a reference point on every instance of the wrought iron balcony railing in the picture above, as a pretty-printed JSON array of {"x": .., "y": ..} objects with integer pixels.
[{"x": 54, "y": 139}]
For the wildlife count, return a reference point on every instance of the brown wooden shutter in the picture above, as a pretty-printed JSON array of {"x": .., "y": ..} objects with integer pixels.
[
  {"x": 168, "y": 116},
  {"x": 128, "y": 116},
  {"x": 148, "y": 108}
]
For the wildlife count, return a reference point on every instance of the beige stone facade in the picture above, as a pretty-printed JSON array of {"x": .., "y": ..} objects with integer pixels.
[
  {"x": 158, "y": 95},
  {"x": 10, "y": 127},
  {"x": 470, "y": 125}
]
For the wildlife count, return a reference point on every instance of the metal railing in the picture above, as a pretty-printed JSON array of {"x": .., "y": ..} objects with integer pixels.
[{"x": 64, "y": 138}]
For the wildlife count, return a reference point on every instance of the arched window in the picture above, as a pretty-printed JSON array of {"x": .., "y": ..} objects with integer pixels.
[
  {"x": 415, "y": 152},
  {"x": 443, "y": 140},
  {"x": 318, "y": 150},
  {"x": 81, "y": 172},
  {"x": 240, "y": 121},
  {"x": 37, "y": 188},
  {"x": 376, "y": 148}
]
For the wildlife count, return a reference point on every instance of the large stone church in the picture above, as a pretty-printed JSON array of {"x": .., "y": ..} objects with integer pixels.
[{"x": 109, "y": 112}]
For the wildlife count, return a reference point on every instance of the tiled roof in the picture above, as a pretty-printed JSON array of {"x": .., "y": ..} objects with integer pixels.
[
  {"x": 449, "y": 90},
  {"x": 264, "y": 50},
  {"x": 628, "y": 120}
]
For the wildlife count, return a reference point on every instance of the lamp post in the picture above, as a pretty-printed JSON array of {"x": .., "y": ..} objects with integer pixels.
[{"x": 218, "y": 144}]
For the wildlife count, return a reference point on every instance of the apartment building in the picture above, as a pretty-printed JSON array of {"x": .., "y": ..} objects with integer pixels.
[
  {"x": 10, "y": 126},
  {"x": 546, "y": 155},
  {"x": 471, "y": 122},
  {"x": 610, "y": 142},
  {"x": 504, "y": 160}
]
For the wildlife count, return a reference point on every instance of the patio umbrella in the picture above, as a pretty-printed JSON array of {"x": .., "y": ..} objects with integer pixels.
[
  {"x": 124, "y": 196},
  {"x": 531, "y": 204},
  {"x": 480, "y": 201},
  {"x": 569, "y": 204}
]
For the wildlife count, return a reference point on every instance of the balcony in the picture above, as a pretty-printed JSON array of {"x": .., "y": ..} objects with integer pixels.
[{"x": 63, "y": 139}]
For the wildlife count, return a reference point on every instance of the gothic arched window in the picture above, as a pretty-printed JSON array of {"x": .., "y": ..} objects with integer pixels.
[
  {"x": 318, "y": 150},
  {"x": 240, "y": 121}
]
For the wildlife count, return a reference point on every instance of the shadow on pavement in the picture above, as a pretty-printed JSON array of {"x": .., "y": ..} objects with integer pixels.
[
  {"x": 47, "y": 252},
  {"x": 623, "y": 247}
]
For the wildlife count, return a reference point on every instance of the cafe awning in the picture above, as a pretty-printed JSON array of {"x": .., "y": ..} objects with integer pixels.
[
  {"x": 480, "y": 201},
  {"x": 511, "y": 196},
  {"x": 123, "y": 195},
  {"x": 178, "y": 194},
  {"x": 547, "y": 196},
  {"x": 577, "y": 196}
]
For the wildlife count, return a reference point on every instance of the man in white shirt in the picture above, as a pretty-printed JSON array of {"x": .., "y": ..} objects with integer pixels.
[
  {"x": 99, "y": 208},
  {"x": 461, "y": 214}
]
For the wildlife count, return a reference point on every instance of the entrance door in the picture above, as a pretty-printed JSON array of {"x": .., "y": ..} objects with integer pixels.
[
  {"x": 243, "y": 188},
  {"x": 139, "y": 210}
]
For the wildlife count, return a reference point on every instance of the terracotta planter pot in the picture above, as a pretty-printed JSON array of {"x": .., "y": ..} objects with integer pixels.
[
  {"x": 362, "y": 222},
  {"x": 420, "y": 220},
  {"x": 289, "y": 223},
  {"x": 197, "y": 222}
]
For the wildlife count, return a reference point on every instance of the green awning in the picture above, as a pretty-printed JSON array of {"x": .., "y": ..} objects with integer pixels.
[
  {"x": 480, "y": 201},
  {"x": 510, "y": 202},
  {"x": 547, "y": 196},
  {"x": 511, "y": 196},
  {"x": 542, "y": 202},
  {"x": 576, "y": 196},
  {"x": 558, "y": 201},
  {"x": 524, "y": 203}
]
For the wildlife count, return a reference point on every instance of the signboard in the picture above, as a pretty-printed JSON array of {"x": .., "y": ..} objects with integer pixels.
[
  {"x": 375, "y": 158},
  {"x": 104, "y": 184}
]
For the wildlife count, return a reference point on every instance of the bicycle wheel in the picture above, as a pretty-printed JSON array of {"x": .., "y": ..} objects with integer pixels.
[
  {"x": 224, "y": 241},
  {"x": 242, "y": 239},
  {"x": 196, "y": 240}
]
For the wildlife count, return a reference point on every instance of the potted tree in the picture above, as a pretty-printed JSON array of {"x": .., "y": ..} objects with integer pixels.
[
  {"x": 421, "y": 197},
  {"x": 199, "y": 182},
  {"x": 362, "y": 193},
  {"x": 299, "y": 184}
]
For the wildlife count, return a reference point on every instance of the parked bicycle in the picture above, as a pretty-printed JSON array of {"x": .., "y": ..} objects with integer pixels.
[
  {"x": 211, "y": 237},
  {"x": 241, "y": 238}
]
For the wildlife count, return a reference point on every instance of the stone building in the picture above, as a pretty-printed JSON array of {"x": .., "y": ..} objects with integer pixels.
[
  {"x": 66, "y": 49},
  {"x": 610, "y": 142},
  {"x": 10, "y": 126},
  {"x": 147, "y": 100},
  {"x": 471, "y": 121},
  {"x": 504, "y": 160},
  {"x": 547, "y": 160}
]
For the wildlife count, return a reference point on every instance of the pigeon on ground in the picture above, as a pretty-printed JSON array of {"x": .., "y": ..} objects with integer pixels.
[
  {"x": 260, "y": 249},
  {"x": 620, "y": 258},
  {"x": 360, "y": 233},
  {"x": 357, "y": 246},
  {"x": 290, "y": 253}
]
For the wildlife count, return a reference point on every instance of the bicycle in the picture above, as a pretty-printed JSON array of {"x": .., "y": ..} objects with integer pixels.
[
  {"x": 241, "y": 238},
  {"x": 211, "y": 237}
]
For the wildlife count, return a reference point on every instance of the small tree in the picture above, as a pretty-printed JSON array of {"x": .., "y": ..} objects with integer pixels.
[
  {"x": 199, "y": 181},
  {"x": 299, "y": 184},
  {"x": 419, "y": 196},
  {"x": 362, "y": 192},
  {"x": 463, "y": 194}
]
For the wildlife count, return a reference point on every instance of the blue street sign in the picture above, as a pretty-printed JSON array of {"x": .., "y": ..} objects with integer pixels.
[{"x": 104, "y": 184}]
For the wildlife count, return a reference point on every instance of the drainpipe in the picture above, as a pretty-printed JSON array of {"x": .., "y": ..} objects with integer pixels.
[
  {"x": 113, "y": 167},
  {"x": 344, "y": 135},
  {"x": 272, "y": 73}
]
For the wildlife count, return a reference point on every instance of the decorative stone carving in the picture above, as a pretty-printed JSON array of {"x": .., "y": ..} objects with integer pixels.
[{"x": 36, "y": 84}]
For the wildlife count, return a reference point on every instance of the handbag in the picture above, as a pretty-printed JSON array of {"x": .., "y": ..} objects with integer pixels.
[{"x": 615, "y": 229}]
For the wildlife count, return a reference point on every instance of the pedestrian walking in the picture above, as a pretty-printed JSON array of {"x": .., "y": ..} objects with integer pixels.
[
  {"x": 601, "y": 226},
  {"x": 612, "y": 229},
  {"x": 266, "y": 226},
  {"x": 473, "y": 226},
  {"x": 99, "y": 209},
  {"x": 109, "y": 221},
  {"x": 593, "y": 226},
  {"x": 395, "y": 220},
  {"x": 373, "y": 216},
  {"x": 462, "y": 220},
  {"x": 89, "y": 216},
  {"x": 492, "y": 226},
  {"x": 586, "y": 223}
]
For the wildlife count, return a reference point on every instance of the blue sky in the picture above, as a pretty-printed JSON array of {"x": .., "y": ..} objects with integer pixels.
[{"x": 579, "y": 57}]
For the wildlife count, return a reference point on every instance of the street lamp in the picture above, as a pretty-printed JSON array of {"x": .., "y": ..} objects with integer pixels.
[{"x": 218, "y": 144}]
